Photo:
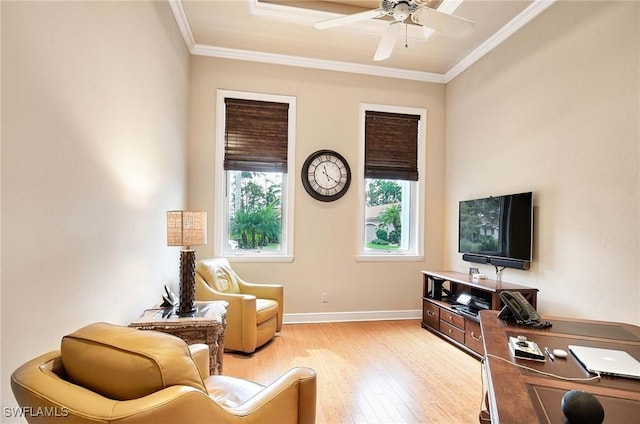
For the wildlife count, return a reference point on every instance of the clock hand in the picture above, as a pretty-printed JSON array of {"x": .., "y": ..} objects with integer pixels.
[{"x": 329, "y": 177}]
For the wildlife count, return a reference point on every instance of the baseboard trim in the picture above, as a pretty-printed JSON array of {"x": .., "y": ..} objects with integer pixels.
[{"x": 318, "y": 317}]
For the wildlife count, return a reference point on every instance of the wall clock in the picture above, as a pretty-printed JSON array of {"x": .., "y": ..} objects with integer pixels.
[{"x": 326, "y": 175}]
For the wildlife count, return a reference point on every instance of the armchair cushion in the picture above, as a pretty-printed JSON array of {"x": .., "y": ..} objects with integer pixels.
[
  {"x": 265, "y": 310},
  {"x": 124, "y": 363}
]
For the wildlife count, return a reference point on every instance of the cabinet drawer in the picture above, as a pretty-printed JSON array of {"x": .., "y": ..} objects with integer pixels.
[
  {"x": 430, "y": 314},
  {"x": 452, "y": 318},
  {"x": 473, "y": 337},
  {"x": 451, "y": 331}
]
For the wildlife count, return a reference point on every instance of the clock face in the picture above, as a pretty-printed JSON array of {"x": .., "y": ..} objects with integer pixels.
[{"x": 326, "y": 175}]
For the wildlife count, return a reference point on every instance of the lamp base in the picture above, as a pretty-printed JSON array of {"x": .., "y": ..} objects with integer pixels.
[
  {"x": 187, "y": 283},
  {"x": 191, "y": 313}
]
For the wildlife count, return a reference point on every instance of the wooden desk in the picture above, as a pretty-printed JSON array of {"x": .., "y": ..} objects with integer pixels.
[
  {"x": 206, "y": 326},
  {"x": 516, "y": 395}
]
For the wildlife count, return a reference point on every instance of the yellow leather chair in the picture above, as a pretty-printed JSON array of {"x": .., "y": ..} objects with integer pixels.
[
  {"x": 254, "y": 314},
  {"x": 104, "y": 373}
]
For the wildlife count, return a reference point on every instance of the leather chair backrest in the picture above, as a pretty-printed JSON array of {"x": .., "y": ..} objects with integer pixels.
[
  {"x": 124, "y": 363},
  {"x": 218, "y": 274}
]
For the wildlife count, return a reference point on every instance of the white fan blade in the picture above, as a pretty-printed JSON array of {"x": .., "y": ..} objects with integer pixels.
[
  {"x": 387, "y": 42},
  {"x": 449, "y": 25},
  {"x": 427, "y": 32},
  {"x": 349, "y": 19}
]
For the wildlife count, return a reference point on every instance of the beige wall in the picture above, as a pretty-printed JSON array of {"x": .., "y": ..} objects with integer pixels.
[
  {"x": 555, "y": 110},
  {"x": 94, "y": 104},
  {"x": 325, "y": 233}
]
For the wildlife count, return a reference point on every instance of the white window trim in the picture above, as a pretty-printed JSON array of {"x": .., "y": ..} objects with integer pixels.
[
  {"x": 220, "y": 226},
  {"x": 417, "y": 237}
]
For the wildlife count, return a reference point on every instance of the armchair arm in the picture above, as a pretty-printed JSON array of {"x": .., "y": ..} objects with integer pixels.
[
  {"x": 237, "y": 302},
  {"x": 200, "y": 355},
  {"x": 289, "y": 399},
  {"x": 266, "y": 291},
  {"x": 262, "y": 291},
  {"x": 241, "y": 329},
  {"x": 175, "y": 404}
]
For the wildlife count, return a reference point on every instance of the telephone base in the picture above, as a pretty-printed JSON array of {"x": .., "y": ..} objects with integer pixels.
[{"x": 526, "y": 349}]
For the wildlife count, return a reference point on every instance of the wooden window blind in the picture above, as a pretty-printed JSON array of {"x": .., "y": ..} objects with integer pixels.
[
  {"x": 256, "y": 135},
  {"x": 391, "y": 146}
]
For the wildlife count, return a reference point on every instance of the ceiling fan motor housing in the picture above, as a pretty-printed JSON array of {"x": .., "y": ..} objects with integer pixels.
[{"x": 400, "y": 10}]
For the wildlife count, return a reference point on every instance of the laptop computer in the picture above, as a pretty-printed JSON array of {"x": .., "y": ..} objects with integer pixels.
[{"x": 607, "y": 361}]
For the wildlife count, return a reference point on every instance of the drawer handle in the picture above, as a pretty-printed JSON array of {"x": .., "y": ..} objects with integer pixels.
[
  {"x": 473, "y": 336},
  {"x": 450, "y": 332},
  {"x": 431, "y": 314}
]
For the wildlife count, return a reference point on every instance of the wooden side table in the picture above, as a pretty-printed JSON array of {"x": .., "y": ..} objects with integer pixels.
[{"x": 207, "y": 325}]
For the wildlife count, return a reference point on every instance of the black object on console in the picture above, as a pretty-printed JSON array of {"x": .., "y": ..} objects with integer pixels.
[{"x": 580, "y": 407}]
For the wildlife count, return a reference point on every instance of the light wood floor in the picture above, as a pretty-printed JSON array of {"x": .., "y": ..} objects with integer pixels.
[{"x": 372, "y": 372}]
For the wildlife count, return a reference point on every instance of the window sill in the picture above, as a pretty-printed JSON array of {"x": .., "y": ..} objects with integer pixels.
[
  {"x": 390, "y": 257},
  {"x": 250, "y": 257}
]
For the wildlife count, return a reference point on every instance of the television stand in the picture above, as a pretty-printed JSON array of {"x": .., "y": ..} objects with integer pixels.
[{"x": 441, "y": 313}]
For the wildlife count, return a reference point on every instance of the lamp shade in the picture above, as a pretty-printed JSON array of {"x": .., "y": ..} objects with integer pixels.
[{"x": 186, "y": 228}]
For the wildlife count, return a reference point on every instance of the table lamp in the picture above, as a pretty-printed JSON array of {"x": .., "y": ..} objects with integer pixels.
[{"x": 187, "y": 228}]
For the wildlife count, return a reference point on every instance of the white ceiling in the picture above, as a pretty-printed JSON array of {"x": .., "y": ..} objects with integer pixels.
[{"x": 281, "y": 31}]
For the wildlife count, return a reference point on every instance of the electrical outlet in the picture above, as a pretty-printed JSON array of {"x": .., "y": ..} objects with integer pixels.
[{"x": 324, "y": 297}]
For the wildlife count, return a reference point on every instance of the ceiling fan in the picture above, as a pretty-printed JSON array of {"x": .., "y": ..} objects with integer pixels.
[{"x": 400, "y": 10}]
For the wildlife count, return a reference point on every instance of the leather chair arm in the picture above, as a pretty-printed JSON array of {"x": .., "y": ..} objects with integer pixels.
[
  {"x": 262, "y": 291},
  {"x": 36, "y": 384},
  {"x": 267, "y": 291},
  {"x": 289, "y": 399},
  {"x": 205, "y": 292},
  {"x": 241, "y": 306},
  {"x": 175, "y": 404},
  {"x": 200, "y": 355},
  {"x": 241, "y": 315},
  {"x": 237, "y": 302}
]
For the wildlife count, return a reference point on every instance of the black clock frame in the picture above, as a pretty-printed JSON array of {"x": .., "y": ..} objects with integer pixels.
[{"x": 305, "y": 176}]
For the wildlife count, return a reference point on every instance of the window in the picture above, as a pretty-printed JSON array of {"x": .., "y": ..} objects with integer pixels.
[
  {"x": 392, "y": 141},
  {"x": 254, "y": 176}
]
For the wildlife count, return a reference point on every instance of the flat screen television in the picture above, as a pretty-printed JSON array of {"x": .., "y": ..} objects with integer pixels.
[{"x": 499, "y": 227}]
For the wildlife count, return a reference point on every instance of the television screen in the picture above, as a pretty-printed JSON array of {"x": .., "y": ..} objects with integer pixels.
[{"x": 498, "y": 226}]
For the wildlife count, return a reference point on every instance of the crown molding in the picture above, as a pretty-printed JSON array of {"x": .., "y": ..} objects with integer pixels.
[
  {"x": 306, "y": 62},
  {"x": 531, "y": 12},
  {"x": 513, "y": 26},
  {"x": 183, "y": 23}
]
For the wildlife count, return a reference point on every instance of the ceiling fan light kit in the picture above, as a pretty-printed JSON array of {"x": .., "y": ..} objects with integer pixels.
[{"x": 400, "y": 11}]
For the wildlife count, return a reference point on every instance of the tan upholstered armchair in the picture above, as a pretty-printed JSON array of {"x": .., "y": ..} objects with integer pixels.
[
  {"x": 254, "y": 314},
  {"x": 104, "y": 373}
]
